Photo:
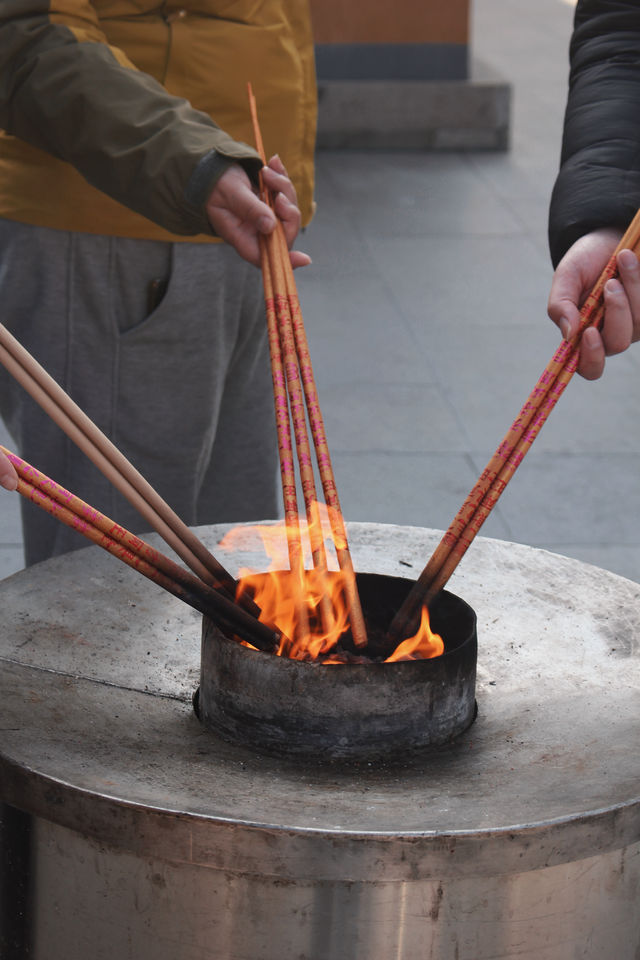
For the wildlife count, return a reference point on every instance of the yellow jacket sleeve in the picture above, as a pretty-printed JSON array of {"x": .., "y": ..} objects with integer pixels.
[{"x": 65, "y": 90}]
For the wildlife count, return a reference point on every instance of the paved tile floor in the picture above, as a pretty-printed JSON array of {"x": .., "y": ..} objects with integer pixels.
[{"x": 426, "y": 314}]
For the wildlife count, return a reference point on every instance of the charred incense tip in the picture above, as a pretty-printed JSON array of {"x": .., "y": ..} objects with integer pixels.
[{"x": 272, "y": 639}]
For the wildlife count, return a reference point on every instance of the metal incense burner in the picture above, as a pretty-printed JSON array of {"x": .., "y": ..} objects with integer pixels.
[
  {"x": 130, "y": 830},
  {"x": 358, "y": 711}
]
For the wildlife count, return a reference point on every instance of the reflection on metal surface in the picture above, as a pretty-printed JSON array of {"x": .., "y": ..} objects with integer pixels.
[{"x": 96, "y": 901}]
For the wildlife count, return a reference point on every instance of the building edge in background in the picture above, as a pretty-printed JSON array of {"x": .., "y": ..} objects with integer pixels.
[{"x": 402, "y": 76}]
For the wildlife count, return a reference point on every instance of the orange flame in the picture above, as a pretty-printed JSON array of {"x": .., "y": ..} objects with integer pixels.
[
  {"x": 423, "y": 645},
  {"x": 290, "y": 598}
]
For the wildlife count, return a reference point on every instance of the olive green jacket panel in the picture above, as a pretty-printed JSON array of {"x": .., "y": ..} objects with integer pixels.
[{"x": 120, "y": 115}]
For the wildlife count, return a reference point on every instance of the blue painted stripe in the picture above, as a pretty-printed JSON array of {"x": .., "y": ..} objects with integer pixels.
[{"x": 392, "y": 61}]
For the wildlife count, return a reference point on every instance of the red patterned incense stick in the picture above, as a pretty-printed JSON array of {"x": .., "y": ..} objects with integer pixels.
[
  {"x": 509, "y": 454},
  {"x": 141, "y": 556},
  {"x": 323, "y": 456},
  {"x": 283, "y": 303},
  {"x": 112, "y": 463},
  {"x": 285, "y": 446}
]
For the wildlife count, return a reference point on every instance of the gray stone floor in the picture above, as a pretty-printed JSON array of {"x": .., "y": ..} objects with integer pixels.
[{"x": 425, "y": 309}]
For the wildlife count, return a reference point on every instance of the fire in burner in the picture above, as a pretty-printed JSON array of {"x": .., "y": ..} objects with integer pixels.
[
  {"x": 311, "y": 609},
  {"x": 277, "y": 595}
]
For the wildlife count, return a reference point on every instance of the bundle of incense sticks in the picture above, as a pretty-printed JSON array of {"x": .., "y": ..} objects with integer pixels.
[
  {"x": 113, "y": 464},
  {"x": 293, "y": 387},
  {"x": 136, "y": 553},
  {"x": 510, "y": 453}
]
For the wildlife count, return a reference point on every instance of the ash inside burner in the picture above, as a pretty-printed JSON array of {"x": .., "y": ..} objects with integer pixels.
[
  {"x": 380, "y": 607},
  {"x": 377, "y": 649}
]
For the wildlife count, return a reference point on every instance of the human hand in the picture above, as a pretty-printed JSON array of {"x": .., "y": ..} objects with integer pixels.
[
  {"x": 572, "y": 282},
  {"x": 239, "y": 216},
  {"x": 8, "y": 475}
]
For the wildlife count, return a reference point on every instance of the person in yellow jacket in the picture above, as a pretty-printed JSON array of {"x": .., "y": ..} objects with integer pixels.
[{"x": 123, "y": 165}]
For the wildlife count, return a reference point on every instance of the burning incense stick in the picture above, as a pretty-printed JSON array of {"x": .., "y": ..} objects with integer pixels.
[
  {"x": 510, "y": 453},
  {"x": 291, "y": 361},
  {"x": 285, "y": 445},
  {"x": 111, "y": 462},
  {"x": 298, "y": 417},
  {"x": 136, "y": 553},
  {"x": 321, "y": 446},
  {"x": 284, "y": 392}
]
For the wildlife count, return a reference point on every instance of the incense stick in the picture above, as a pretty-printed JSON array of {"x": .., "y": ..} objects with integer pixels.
[
  {"x": 285, "y": 445},
  {"x": 323, "y": 456},
  {"x": 291, "y": 358},
  {"x": 281, "y": 401},
  {"x": 298, "y": 417},
  {"x": 141, "y": 556},
  {"x": 509, "y": 454},
  {"x": 113, "y": 464}
]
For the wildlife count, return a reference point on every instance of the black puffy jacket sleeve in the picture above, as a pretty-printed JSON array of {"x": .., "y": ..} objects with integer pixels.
[{"x": 599, "y": 180}]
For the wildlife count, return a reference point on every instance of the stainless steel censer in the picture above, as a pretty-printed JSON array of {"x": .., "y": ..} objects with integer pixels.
[{"x": 132, "y": 830}]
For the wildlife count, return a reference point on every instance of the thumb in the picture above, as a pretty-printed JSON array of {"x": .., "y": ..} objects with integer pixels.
[
  {"x": 8, "y": 476},
  {"x": 564, "y": 297}
]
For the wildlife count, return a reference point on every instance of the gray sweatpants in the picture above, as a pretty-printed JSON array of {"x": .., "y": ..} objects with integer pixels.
[{"x": 183, "y": 389}]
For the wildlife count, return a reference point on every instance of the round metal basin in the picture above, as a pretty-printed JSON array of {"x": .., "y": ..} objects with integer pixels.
[{"x": 356, "y": 711}]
